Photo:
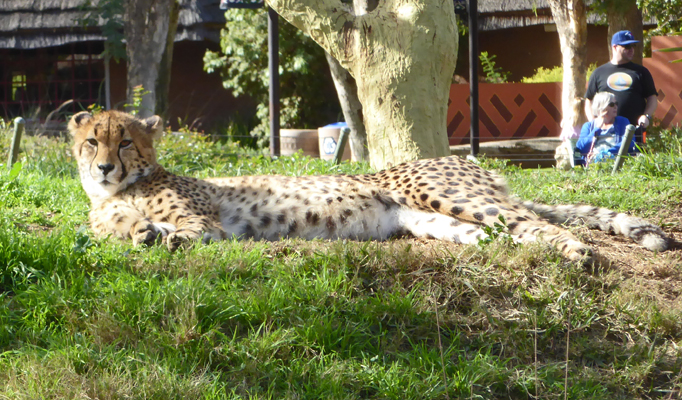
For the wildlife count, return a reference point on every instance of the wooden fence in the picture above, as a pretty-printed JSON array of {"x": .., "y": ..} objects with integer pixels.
[
  {"x": 668, "y": 79},
  {"x": 533, "y": 110},
  {"x": 506, "y": 111}
]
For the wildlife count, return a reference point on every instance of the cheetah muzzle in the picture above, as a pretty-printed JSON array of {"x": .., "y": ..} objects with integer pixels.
[{"x": 448, "y": 198}]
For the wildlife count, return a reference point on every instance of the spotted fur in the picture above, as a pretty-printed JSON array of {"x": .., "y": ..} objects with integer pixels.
[{"x": 444, "y": 198}]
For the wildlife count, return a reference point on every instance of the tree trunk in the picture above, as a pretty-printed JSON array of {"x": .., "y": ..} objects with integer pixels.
[
  {"x": 402, "y": 55},
  {"x": 163, "y": 81},
  {"x": 622, "y": 15},
  {"x": 149, "y": 31},
  {"x": 107, "y": 78},
  {"x": 570, "y": 17},
  {"x": 347, "y": 91}
]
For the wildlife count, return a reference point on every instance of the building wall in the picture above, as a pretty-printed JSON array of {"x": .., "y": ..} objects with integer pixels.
[
  {"x": 521, "y": 51},
  {"x": 668, "y": 79},
  {"x": 197, "y": 98}
]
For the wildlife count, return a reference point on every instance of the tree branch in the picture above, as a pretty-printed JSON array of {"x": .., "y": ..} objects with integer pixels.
[{"x": 327, "y": 22}]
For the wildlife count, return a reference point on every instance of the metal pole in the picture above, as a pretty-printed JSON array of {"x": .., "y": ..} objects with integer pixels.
[
  {"x": 341, "y": 145},
  {"x": 473, "y": 75},
  {"x": 16, "y": 141},
  {"x": 273, "y": 65},
  {"x": 624, "y": 146}
]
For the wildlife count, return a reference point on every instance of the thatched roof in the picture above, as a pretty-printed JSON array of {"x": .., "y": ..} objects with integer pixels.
[
  {"x": 490, "y": 6},
  {"x": 30, "y": 24},
  {"x": 502, "y": 14}
]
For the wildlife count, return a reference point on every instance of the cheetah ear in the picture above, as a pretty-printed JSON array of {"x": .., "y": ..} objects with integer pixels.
[
  {"x": 153, "y": 126},
  {"x": 77, "y": 121}
]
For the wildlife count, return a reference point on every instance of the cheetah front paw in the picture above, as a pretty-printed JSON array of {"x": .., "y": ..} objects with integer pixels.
[
  {"x": 149, "y": 233},
  {"x": 145, "y": 233},
  {"x": 179, "y": 238},
  {"x": 146, "y": 237}
]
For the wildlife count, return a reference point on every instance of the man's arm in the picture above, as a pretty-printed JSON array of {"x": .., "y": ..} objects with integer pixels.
[{"x": 649, "y": 110}]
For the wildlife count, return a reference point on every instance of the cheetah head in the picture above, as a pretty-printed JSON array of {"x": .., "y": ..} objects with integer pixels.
[{"x": 113, "y": 150}]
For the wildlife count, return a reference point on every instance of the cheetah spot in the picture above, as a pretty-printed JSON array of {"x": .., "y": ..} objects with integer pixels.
[
  {"x": 265, "y": 221},
  {"x": 492, "y": 211},
  {"x": 456, "y": 210},
  {"x": 312, "y": 218}
]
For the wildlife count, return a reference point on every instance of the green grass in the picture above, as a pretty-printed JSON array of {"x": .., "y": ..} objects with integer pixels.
[{"x": 82, "y": 317}]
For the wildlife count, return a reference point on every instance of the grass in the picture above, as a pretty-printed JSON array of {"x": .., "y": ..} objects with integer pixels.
[{"x": 82, "y": 317}]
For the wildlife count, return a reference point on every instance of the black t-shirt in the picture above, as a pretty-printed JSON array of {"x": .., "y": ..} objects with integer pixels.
[{"x": 631, "y": 84}]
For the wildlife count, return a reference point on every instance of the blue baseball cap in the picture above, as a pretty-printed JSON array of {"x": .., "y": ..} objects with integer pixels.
[{"x": 622, "y": 38}]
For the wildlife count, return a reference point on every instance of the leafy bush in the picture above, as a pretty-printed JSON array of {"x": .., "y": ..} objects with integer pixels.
[
  {"x": 307, "y": 94},
  {"x": 555, "y": 74},
  {"x": 493, "y": 74},
  {"x": 543, "y": 74}
]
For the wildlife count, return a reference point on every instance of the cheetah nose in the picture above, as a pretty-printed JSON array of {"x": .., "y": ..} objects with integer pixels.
[{"x": 105, "y": 168}]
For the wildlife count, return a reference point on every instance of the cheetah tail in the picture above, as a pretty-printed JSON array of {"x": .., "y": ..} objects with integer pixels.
[{"x": 648, "y": 235}]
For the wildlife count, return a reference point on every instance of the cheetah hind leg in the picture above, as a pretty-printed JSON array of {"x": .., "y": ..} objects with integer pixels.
[
  {"x": 431, "y": 225},
  {"x": 643, "y": 232}
]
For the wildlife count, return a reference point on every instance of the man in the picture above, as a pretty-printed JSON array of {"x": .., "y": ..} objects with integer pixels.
[{"x": 631, "y": 83}]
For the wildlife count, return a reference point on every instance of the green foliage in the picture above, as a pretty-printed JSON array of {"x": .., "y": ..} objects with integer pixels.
[
  {"x": 667, "y": 13},
  {"x": 543, "y": 74},
  {"x": 496, "y": 232},
  {"x": 138, "y": 92},
  {"x": 493, "y": 73},
  {"x": 555, "y": 74},
  {"x": 307, "y": 94},
  {"x": 192, "y": 153},
  {"x": 662, "y": 155},
  {"x": 95, "y": 109},
  {"x": 108, "y": 15}
]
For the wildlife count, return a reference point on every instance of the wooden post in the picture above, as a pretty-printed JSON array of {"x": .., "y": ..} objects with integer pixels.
[{"x": 16, "y": 141}]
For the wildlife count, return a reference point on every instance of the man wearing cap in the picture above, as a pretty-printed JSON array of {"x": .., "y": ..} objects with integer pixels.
[{"x": 631, "y": 83}]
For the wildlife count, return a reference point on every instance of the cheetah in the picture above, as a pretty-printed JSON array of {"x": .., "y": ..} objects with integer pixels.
[{"x": 448, "y": 198}]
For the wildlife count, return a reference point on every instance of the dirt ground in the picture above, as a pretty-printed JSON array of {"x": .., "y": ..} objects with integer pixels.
[
  {"x": 659, "y": 274},
  {"x": 627, "y": 256}
]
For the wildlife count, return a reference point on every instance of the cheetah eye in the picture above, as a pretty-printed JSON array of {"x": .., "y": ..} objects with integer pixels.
[
  {"x": 125, "y": 143},
  {"x": 92, "y": 142}
]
